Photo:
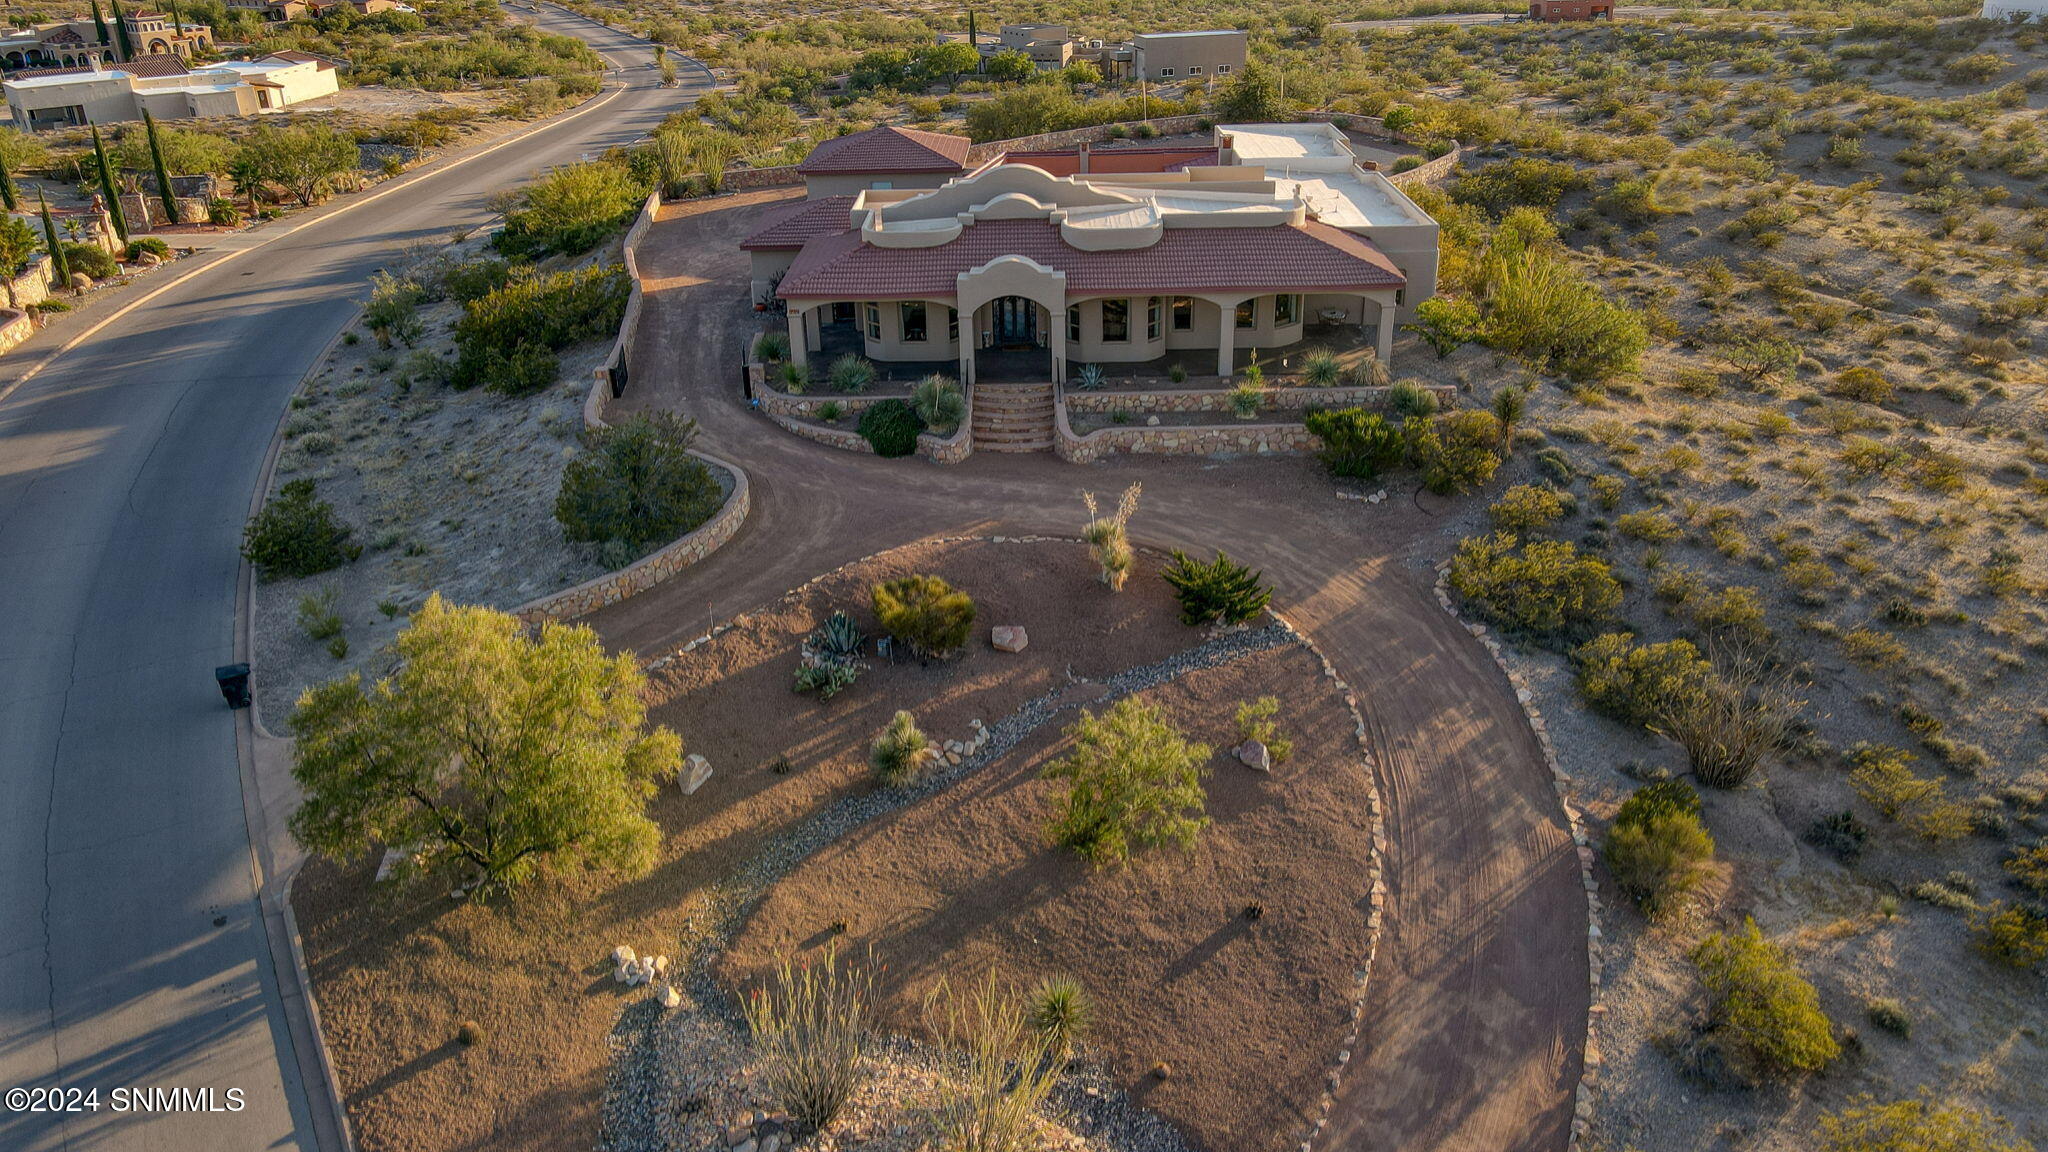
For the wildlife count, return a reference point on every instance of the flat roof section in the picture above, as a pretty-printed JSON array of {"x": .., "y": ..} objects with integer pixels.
[
  {"x": 1354, "y": 199},
  {"x": 1256, "y": 143}
]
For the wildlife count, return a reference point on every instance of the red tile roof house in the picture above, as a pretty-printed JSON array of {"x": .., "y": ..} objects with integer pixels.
[{"x": 1280, "y": 230}]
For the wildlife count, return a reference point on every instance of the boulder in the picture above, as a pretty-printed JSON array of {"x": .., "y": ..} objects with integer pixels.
[
  {"x": 148, "y": 259},
  {"x": 80, "y": 281},
  {"x": 668, "y": 997},
  {"x": 623, "y": 955},
  {"x": 1254, "y": 756},
  {"x": 696, "y": 770},
  {"x": 1009, "y": 637}
]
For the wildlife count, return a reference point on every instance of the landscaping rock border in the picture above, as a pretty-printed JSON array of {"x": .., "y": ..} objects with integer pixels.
[
  {"x": 637, "y": 1092},
  {"x": 1589, "y": 1074}
]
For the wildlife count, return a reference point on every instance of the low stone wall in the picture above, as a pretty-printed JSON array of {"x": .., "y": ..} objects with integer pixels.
[
  {"x": 656, "y": 566},
  {"x": 937, "y": 449},
  {"x": 950, "y": 449},
  {"x": 777, "y": 403},
  {"x": 1219, "y": 400},
  {"x": 33, "y": 285},
  {"x": 1181, "y": 440},
  {"x": 611, "y": 374},
  {"x": 1092, "y": 134},
  {"x": 845, "y": 438},
  {"x": 1431, "y": 172},
  {"x": 15, "y": 326},
  {"x": 737, "y": 179}
]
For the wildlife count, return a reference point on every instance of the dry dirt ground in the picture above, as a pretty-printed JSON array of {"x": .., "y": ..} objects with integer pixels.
[
  {"x": 447, "y": 491},
  {"x": 1478, "y": 1000},
  {"x": 397, "y": 971},
  {"x": 1246, "y": 1014}
]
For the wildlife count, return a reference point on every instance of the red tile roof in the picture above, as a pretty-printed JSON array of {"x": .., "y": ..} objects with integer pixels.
[
  {"x": 887, "y": 150},
  {"x": 798, "y": 224},
  {"x": 1308, "y": 257},
  {"x": 159, "y": 64}
]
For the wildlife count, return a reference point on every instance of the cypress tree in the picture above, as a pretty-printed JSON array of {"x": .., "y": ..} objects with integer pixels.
[
  {"x": 60, "y": 268},
  {"x": 100, "y": 21},
  {"x": 8, "y": 196},
  {"x": 177, "y": 18},
  {"x": 106, "y": 172},
  {"x": 121, "y": 31},
  {"x": 163, "y": 171}
]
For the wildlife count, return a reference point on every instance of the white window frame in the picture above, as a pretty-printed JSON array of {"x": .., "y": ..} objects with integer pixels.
[
  {"x": 1165, "y": 72},
  {"x": 1194, "y": 69},
  {"x": 873, "y": 317},
  {"x": 1223, "y": 69}
]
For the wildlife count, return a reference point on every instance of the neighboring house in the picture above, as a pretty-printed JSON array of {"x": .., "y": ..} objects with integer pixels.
[
  {"x": 1049, "y": 45},
  {"x": 76, "y": 43},
  {"x": 1157, "y": 56},
  {"x": 1553, "y": 11},
  {"x": 883, "y": 158},
  {"x": 2016, "y": 10},
  {"x": 272, "y": 11},
  {"x": 1280, "y": 235},
  {"x": 166, "y": 88}
]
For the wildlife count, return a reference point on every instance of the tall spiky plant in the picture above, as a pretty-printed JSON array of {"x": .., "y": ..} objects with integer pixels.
[
  {"x": 1010, "y": 1069},
  {"x": 8, "y": 195},
  {"x": 60, "y": 268},
  {"x": 810, "y": 1025},
  {"x": 107, "y": 188},
  {"x": 1107, "y": 539},
  {"x": 163, "y": 171}
]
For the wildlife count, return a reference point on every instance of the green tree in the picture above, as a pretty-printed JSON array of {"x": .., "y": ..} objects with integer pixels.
[
  {"x": 99, "y": 21},
  {"x": 1915, "y": 1126},
  {"x": 1756, "y": 353},
  {"x": 1011, "y": 67},
  {"x": 105, "y": 174},
  {"x": 18, "y": 245},
  {"x": 1025, "y": 111},
  {"x": 637, "y": 482},
  {"x": 1762, "y": 1012},
  {"x": 572, "y": 210},
  {"x": 1446, "y": 325},
  {"x": 164, "y": 191},
  {"x": 10, "y": 197},
  {"x": 185, "y": 152},
  {"x": 1253, "y": 97},
  {"x": 1133, "y": 782},
  {"x": 60, "y": 271},
  {"x": 121, "y": 31},
  {"x": 304, "y": 158},
  {"x": 948, "y": 60},
  {"x": 489, "y": 748}
]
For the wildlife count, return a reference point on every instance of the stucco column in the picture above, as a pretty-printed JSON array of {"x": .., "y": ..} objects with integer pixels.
[
  {"x": 799, "y": 337},
  {"x": 1386, "y": 331},
  {"x": 968, "y": 339},
  {"x": 1058, "y": 324},
  {"x": 1226, "y": 338}
]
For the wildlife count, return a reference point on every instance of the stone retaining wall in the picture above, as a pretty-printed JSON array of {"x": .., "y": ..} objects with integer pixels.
[
  {"x": 629, "y": 325},
  {"x": 740, "y": 179},
  {"x": 1219, "y": 399},
  {"x": 33, "y": 285},
  {"x": 1183, "y": 440},
  {"x": 939, "y": 450},
  {"x": 15, "y": 326},
  {"x": 654, "y": 567},
  {"x": 1431, "y": 172}
]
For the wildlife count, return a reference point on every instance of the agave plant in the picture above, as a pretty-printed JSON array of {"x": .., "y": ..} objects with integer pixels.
[
  {"x": 939, "y": 403},
  {"x": 1091, "y": 378},
  {"x": 839, "y": 636}
]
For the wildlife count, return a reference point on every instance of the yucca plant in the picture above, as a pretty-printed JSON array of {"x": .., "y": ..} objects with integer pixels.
[
  {"x": 1060, "y": 1014},
  {"x": 810, "y": 1024},
  {"x": 1244, "y": 400},
  {"x": 939, "y": 403},
  {"x": 1319, "y": 369},
  {"x": 902, "y": 753},
  {"x": 1370, "y": 373},
  {"x": 1091, "y": 378},
  {"x": 850, "y": 373},
  {"x": 1008, "y": 1074},
  {"x": 1107, "y": 539},
  {"x": 794, "y": 378},
  {"x": 1254, "y": 376},
  {"x": 771, "y": 346}
]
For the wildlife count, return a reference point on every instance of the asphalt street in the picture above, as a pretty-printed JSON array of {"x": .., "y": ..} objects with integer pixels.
[{"x": 132, "y": 949}]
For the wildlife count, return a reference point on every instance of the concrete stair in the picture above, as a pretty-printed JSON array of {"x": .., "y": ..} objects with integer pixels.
[{"x": 1013, "y": 417}]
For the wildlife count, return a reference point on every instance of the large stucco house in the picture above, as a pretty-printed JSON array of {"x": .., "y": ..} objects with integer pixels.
[
  {"x": 75, "y": 43},
  {"x": 165, "y": 87},
  {"x": 1023, "y": 265}
]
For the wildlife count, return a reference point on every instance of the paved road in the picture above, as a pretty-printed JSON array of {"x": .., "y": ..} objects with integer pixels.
[
  {"x": 1621, "y": 12},
  {"x": 132, "y": 947}
]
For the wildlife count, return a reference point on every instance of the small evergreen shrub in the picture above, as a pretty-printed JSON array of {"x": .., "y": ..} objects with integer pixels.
[
  {"x": 1657, "y": 848},
  {"x": 1218, "y": 590},
  {"x": 1890, "y": 1016},
  {"x": 150, "y": 244},
  {"x": 1457, "y": 452},
  {"x": 924, "y": 612},
  {"x": 1357, "y": 445},
  {"x": 1543, "y": 588},
  {"x": 1133, "y": 783},
  {"x": 91, "y": 259},
  {"x": 1640, "y": 684},
  {"x": 507, "y": 336},
  {"x": 1527, "y": 508},
  {"x": 901, "y": 754},
  {"x": 891, "y": 428},
  {"x": 1841, "y": 835},
  {"x": 637, "y": 482},
  {"x": 297, "y": 535},
  {"x": 1763, "y": 1015}
]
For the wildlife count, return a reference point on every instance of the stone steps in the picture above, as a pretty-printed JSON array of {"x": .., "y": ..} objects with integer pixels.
[{"x": 1013, "y": 417}]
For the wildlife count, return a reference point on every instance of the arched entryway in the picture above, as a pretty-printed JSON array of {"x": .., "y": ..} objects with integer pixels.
[
  {"x": 1014, "y": 344},
  {"x": 1013, "y": 323}
]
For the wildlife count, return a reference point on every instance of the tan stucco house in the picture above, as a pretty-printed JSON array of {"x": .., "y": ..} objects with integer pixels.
[
  {"x": 166, "y": 88},
  {"x": 1274, "y": 235},
  {"x": 76, "y": 43}
]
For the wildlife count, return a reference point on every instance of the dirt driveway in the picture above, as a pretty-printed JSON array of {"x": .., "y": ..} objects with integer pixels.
[{"x": 1477, "y": 1010}]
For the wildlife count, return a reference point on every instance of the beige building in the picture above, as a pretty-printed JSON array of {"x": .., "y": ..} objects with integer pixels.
[
  {"x": 1157, "y": 56},
  {"x": 166, "y": 89},
  {"x": 76, "y": 43},
  {"x": 1280, "y": 238}
]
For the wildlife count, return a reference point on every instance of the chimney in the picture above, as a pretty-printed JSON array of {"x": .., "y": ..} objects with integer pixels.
[{"x": 1082, "y": 152}]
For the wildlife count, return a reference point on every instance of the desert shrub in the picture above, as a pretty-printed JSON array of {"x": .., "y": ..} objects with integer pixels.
[
  {"x": 1108, "y": 537},
  {"x": 809, "y": 1025},
  {"x": 1841, "y": 835},
  {"x": 150, "y": 244},
  {"x": 771, "y": 347},
  {"x": 939, "y": 403},
  {"x": 1527, "y": 508},
  {"x": 1218, "y": 590},
  {"x": 1446, "y": 325},
  {"x": 319, "y": 619},
  {"x": 1456, "y": 455},
  {"x": 90, "y": 259},
  {"x": 393, "y": 310},
  {"x": 890, "y": 427},
  {"x": 1008, "y": 1073},
  {"x": 850, "y": 373},
  {"x": 1915, "y": 1126},
  {"x": 1889, "y": 1016},
  {"x": 1761, "y": 1012},
  {"x": 571, "y": 210},
  {"x": 1861, "y": 383},
  {"x": 1640, "y": 684},
  {"x": 1061, "y": 1013},
  {"x": 1519, "y": 183},
  {"x": 826, "y": 679},
  {"x": 475, "y": 279},
  {"x": 1409, "y": 400},
  {"x": 901, "y": 754},
  {"x": 513, "y": 329},
  {"x": 1321, "y": 369},
  {"x": 297, "y": 535},
  {"x": 637, "y": 482},
  {"x": 2029, "y": 868},
  {"x": 1657, "y": 849},
  {"x": 1133, "y": 783},
  {"x": 1541, "y": 310},
  {"x": 924, "y": 612},
  {"x": 1543, "y": 587},
  {"x": 1649, "y": 527},
  {"x": 223, "y": 212},
  {"x": 1357, "y": 444},
  {"x": 1740, "y": 715},
  {"x": 2013, "y": 934},
  {"x": 1754, "y": 350},
  {"x": 1255, "y": 721},
  {"x": 1884, "y": 777}
]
